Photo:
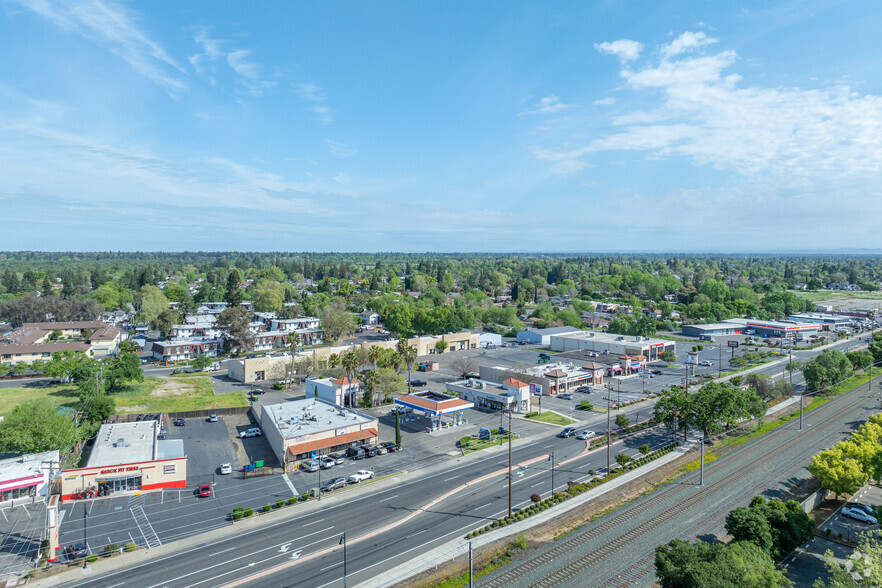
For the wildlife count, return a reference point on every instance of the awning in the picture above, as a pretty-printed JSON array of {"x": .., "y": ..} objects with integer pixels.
[{"x": 332, "y": 441}]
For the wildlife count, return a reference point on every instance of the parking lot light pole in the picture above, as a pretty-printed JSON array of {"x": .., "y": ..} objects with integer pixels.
[
  {"x": 509, "y": 464},
  {"x": 85, "y": 538},
  {"x": 608, "y": 427},
  {"x": 551, "y": 457},
  {"x": 320, "y": 482}
]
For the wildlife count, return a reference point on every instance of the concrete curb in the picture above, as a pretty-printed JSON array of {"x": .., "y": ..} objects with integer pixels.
[{"x": 460, "y": 546}]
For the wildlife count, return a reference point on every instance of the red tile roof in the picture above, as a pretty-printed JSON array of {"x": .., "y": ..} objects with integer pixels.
[
  {"x": 556, "y": 374},
  {"x": 332, "y": 441},
  {"x": 515, "y": 383}
]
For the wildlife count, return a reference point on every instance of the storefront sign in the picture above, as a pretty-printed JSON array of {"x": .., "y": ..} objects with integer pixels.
[
  {"x": 340, "y": 432},
  {"x": 120, "y": 470}
]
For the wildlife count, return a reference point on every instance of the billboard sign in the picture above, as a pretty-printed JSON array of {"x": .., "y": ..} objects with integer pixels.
[{"x": 733, "y": 343}]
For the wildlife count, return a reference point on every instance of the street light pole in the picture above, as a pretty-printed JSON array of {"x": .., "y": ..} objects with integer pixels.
[
  {"x": 85, "y": 537},
  {"x": 509, "y": 464},
  {"x": 608, "y": 426},
  {"x": 343, "y": 542},
  {"x": 551, "y": 457}
]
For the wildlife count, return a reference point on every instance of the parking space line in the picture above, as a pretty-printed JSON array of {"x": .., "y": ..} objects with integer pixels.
[
  {"x": 290, "y": 484},
  {"x": 3, "y": 512}
]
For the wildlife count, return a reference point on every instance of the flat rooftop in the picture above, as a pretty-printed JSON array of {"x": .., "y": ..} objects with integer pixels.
[
  {"x": 28, "y": 465},
  {"x": 120, "y": 443},
  {"x": 613, "y": 338},
  {"x": 298, "y": 418}
]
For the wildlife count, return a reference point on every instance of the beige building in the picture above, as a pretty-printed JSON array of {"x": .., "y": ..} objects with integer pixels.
[
  {"x": 303, "y": 429},
  {"x": 259, "y": 369},
  {"x": 32, "y": 341}
]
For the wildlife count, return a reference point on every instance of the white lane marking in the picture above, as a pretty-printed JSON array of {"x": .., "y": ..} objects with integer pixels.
[
  {"x": 448, "y": 479},
  {"x": 547, "y": 446},
  {"x": 537, "y": 484},
  {"x": 314, "y": 522},
  {"x": 223, "y": 551},
  {"x": 415, "y": 534},
  {"x": 290, "y": 485},
  {"x": 390, "y": 498},
  {"x": 326, "y": 568},
  {"x": 486, "y": 505}
]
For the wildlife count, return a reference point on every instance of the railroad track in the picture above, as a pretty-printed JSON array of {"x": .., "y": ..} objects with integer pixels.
[{"x": 622, "y": 522}]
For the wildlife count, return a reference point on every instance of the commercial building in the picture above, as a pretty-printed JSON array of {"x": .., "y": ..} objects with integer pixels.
[
  {"x": 340, "y": 392},
  {"x": 455, "y": 342},
  {"x": 259, "y": 369},
  {"x": 777, "y": 328},
  {"x": 552, "y": 378},
  {"x": 712, "y": 330},
  {"x": 303, "y": 429},
  {"x": 436, "y": 405},
  {"x": 543, "y": 336},
  {"x": 486, "y": 340},
  {"x": 610, "y": 343},
  {"x": 128, "y": 457},
  {"x": 26, "y": 476},
  {"x": 511, "y": 394},
  {"x": 827, "y": 321}
]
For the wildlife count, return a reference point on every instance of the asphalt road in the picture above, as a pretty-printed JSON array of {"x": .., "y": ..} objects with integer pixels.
[{"x": 260, "y": 551}]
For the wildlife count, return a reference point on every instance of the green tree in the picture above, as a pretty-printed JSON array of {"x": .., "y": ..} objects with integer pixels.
[
  {"x": 826, "y": 369},
  {"x": 20, "y": 367},
  {"x": 234, "y": 322},
  {"x": 337, "y": 322},
  {"x": 622, "y": 420},
  {"x": 742, "y": 564},
  {"x": 67, "y": 364},
  {"x": 371, "y": 382},
  {"x": 398, "y": 429},
  {"x": 860, "y": 360},
  {"x": 233, "y": 295},
  {"x": 267, "y": 296},
  {"x": 776, "y": 527},
  {"x": 101, "y": 407},
  {"x": 152, "y": 304},
  {"x": 4, "y": 369},
  {"x": 838, "y": 473},
  {"x": 398, "y": 319},
  {"x": 623, "y": 459},
  {"x": 36, "y": 426},
  {"x": 671, "y": 407},
  {"x": 165, "y": 321},
  {"x": 669, "y": 356},
  {"x": 720, "y": 404},
  {"x": 440, "y": 346},
  {"x": 863, "y": 568},
  {"x": 123, "y": 368},
  {"x": 201, "y": 362}
]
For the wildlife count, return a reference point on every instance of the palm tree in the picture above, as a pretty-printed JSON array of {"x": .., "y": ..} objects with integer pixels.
[
  {"x": 349, "y": 362},
  {"x": 293, "y": 343},
  {"x": 371, "y": 382},
  {"x": 408, "y": 355},
  {"x": 374, "y": 354},
  {"x": 333, "y": 360}
]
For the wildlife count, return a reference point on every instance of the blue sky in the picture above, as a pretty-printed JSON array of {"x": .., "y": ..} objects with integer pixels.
[{"x": 440, "y": 126}]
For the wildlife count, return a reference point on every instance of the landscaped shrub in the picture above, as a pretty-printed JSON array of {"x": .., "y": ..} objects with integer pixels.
[
  {"x": 304, "y": 496},
  {"x": 280, "y": 503},
  {"x": 267, "y": 507},
  {"x": 94, "y": 557},
  {"x": 237, "y": 516},
  {"x": 644, "y": 449},
  {"x": 111, "y": 548},
  {"x": 464, "y": 442},
  {"x": 248, "y": 512},
  {"x": 535, "y": 497},
  {"x": 238, "y": 509},
  {"x": 292, "y": 500},
  {"x": 130, "y": 546}
]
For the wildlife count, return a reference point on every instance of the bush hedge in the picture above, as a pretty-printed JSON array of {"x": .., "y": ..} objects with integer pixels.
[
  {"x": 130, "y": 546},
  {"x": 280, "y": 503},
  {"x": 248, "y": 512},
  {"x": 111, "y": 548},
  {"x": 292, "y": 500},
  {"x": 94, "y": 557}
]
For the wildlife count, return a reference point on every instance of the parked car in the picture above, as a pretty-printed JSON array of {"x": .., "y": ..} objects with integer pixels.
[
  {"x": 544, "y": 356},
  {"x": 334, "y": 484},
  {"x": 390, "y": 447},
  {"x": 257, "y": 391},
  {"x": 859, "y": 515},
  {"x": 568, "y": 432},
  {"x": 339, "y": 458},
  {"x": 382, "y": 449},
  {"x": 566, "y": 396},
  {"x": 369, "y": 450},
  {"x": 212, "y": 418},
  {"x": 417, "y": 383},
  {"x": 205, "y": 491},
  {"x": 360, "y": 476},
  {"x": 180, "y": 422},
  {"x": 76, "y": 550},
  {"x": 656, "y": 372},
  {"x": 326, "y": 462},
  {"x": 585, "y": 435},
  {"x": 584, "y": 389},
  {"x": 355, "y": 453},
  {"x": 706, "y": 363},
  {"x": 252, "y": 432},
  {"x": 311, "y": 466},
  {"x": 226, "y": 468},
  {"x": 162, "y": 437},
  {"x": 863, "y": 507}
]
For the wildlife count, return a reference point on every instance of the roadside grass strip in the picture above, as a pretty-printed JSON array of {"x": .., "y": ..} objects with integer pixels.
[{"x": 550, "y": 417}]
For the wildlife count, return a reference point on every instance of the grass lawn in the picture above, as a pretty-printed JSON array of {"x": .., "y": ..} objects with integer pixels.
[
  {"x": 59, "y": 395},
  {"x": 820, "y": 295},
  {"x": 172, "y": 395},
  {"x": 551, "y": 417},
  {"x": 477, "y": 445}
]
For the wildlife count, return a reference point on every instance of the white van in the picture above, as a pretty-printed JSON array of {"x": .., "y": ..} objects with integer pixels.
[{"x": 253, "y": 432}]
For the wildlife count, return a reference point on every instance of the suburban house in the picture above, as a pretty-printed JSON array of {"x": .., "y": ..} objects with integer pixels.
[
  {"x": 294, "y": 324},
  {"x": 369, "y": 317}
]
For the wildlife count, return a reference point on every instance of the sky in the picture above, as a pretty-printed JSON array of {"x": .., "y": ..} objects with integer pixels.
[{"x": 499, "y": 125}]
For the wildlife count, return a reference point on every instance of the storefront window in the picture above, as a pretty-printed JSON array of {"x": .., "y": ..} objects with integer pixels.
[
  {"x": 121, "y": 484},
  {"x": 17, "y": 493}
]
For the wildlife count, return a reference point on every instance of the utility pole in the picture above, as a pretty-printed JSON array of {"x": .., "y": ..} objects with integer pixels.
[
  {"x": 85, "y": 536},
  {"x": 551, "y": 457},
  {"x": 686, "y": 429},
  {"x": 701, "y": 475},
  {"x": 343, "y": 542},
  {"x": 608, "y": 426},
  {"x": 720, "y": 363},
  {"x": 471, "y": 567},
  {"x": 791, "y": 362},
  {"x": 509, "y": 464}
]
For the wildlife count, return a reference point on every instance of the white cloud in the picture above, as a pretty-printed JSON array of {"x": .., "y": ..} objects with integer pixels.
[
  {"x": 693, "y": 108},
  {"x": 624, "y": 49},
  {"x": 568, "y": 166},
  {"x": 605, "y": 101},
  {"x": 311, "y": 93},
  {"x": 686, "y": 42},
  {"x": 114, "y": 26},
  {"x": 341, "y": 150},
  {"x": 249, "y": 72},
  {"x": 549, "y": 105}
]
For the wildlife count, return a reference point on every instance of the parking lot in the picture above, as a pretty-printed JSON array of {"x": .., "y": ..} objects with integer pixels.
[
  {"x": 850, "y": 529},
  {"x": 21, "y": 528},
  {"x": 207, "y": 445}
]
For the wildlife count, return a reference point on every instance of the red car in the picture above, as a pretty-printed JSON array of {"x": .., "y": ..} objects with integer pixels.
[{"x": 205, "y": 491}]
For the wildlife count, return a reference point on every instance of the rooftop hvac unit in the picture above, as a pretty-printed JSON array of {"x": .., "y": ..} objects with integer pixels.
[
  {"x": 120, "y": 443},
  {"x": 481, "y": 385}
]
